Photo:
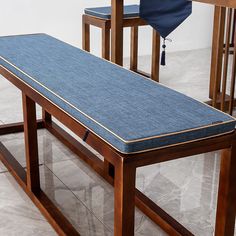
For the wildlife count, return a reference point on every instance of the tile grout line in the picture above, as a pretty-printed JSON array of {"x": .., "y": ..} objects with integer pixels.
[
  {"x": 4, "y": 171},
  {"x": 1, "y": 122},
  {"x": 79, "y": 199}
]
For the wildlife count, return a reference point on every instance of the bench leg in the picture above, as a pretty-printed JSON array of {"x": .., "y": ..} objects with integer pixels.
[
  {"x": 124, "y": 199},
  {"x": 155, "y": 56},
  {"x": 85, "y": 35},
  {"x": 31, "y": 144},
  {"x": 134, "y": 49},
  {"x": 226, "y": 206},
  {"x": 106, "y": 40}
]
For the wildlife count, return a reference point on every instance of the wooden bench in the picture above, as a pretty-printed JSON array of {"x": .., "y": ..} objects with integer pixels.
[{"x": 130, "y": 120}]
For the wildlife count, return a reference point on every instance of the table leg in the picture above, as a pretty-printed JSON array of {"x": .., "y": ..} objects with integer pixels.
[
  {"x": 217, "y": 53},
  {"x": 117, "y": 31},
  {"x": 155, "y": 56}
]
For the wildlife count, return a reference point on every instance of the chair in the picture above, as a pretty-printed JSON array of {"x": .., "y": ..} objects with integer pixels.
[
  {"x": 224, "y": 38},
  {"x": 101, "y": 18}
]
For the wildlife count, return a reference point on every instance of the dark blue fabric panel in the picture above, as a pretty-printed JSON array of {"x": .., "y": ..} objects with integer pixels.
[
  {"x": 126, "y": 110},
  {"x": 165, "y": 15},
  {"x": 105, "y": 12}
]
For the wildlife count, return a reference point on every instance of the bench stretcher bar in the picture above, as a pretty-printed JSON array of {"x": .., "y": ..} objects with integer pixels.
[{"x": 118, "y": 169}]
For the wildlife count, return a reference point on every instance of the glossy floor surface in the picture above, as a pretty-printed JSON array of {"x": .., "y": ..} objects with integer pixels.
[{"x": 185, "y": 188}]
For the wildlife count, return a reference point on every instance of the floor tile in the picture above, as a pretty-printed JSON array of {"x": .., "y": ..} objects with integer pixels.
[
  {"x": 50, "y": 149},
  {"x": 83, "y": 220},
  {"x": 97, "y": 195},
  {"x": 18, "y": 215},
  {"x": 187, "y": 72}
]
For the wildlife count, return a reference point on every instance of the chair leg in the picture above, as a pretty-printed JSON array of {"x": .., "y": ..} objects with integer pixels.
[
  {"x": 85, "y": 34},
  {"x": 134, "y": 48},
  {"x": 217, "y": 53},
  {"x": 233, "y": 74},
  {"x": 124, "y": 199},
  {"x": 233, "y": 27},
  {"x": 226, "y": 58},
  {"x": 31, "y": 144},
  {"x": 226, "y": 206},
  {"x": 106, "y": 41},
  {"x": 155, "y": 56}
]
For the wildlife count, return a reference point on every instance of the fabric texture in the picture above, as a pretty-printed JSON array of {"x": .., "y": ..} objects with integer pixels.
[
  {"x": 165, "y": 16},
  {"x": 105, "y": 12},
  {"x": 128, "y": 111}
]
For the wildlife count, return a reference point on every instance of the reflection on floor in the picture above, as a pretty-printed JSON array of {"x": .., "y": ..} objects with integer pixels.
[{"x": 185, "y": 188}]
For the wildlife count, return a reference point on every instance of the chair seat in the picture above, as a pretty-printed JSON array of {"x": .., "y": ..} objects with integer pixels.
[
  {"x": 129, "y": 112},
  {"x": 105, "y": 12}
]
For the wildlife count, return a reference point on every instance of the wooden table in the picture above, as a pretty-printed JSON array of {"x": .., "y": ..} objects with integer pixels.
[
  {"x": 117, "y": 29},
  {"x": 117, "y": 35},
  {"x": 221, "y": 3}
]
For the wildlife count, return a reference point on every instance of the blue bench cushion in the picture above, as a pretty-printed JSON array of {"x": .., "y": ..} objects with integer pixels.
[
  {"x": 105, "y": 12},
  {"x": 131, "y": 113}
]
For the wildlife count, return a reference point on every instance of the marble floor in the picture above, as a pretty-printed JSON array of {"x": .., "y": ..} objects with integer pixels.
[{"x": 185, "y": 188}]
